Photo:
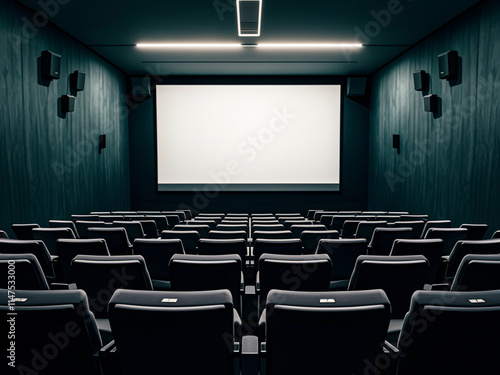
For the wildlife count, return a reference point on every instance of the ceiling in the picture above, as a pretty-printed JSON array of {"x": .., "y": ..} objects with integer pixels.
[{"x": 111, "y": 28}]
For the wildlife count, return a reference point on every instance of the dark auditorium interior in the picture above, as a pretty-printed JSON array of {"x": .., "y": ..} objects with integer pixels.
[{"x": 250, "y": 187}]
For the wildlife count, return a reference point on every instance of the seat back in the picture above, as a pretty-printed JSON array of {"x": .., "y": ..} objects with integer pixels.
[
  {"x": 173, "y": 220},
  {"x": 37, "y": 248},
  {"x": 55, "y": 333},
  {"x": 272, "y": 235},
  {"x": 475, "y": 232},
  {"x": 450, "y": 236},
  {"x": 299, "y": 228},
  {"x": 209, "y": 246},
  {"x": 343, "y": 254},
  {"x": 82, "y": 226},
  {"x": 24, "y": 231},
  {"x": 161, "y": 222},
  {"x": 207, "y": 272},
  {"x": 133, "y": 228},
  {"x": 414, "y": 217},
  {"x": 416, "y": 225},
  {"x": 435, "y": 224},
  {"x": 64, "y": 224},
  {"x": 398, "y": 276},
  {"x": 324, "y": 332},
  {"x": 26, "y": 269},
  {"x": 277, "y": 246},
  {"x": 116, "y": 239},
  {"x": 365, "y": 229},
  {"x": 228, "y": 235},
  {"x": 460, "y": 336},
  {"x": 496, "y": 235},
  {"x": 189, "y": 239},
  {"x": 84, "y": 217},
  {"x": 189, "y": 332},
  {"x": 310, "y": 239},
  {"x": 288, "y": 223},
  {"x": 49, "y": 236},
  {"x": 267, "y": 227},
  {"x": 110, "y": 218},
  {"x": 109, "y": 273},
  {"x": 3, "y": 235},
  {"x": 202, "y": 229},
  {"x": 477, "y": 272},
  {"x": 233, "y": 227},
  {"x": 431, "y": 249},
  {"x": 338, "y": 221},
  {"x": 149, "y": 228},
  {"x": 157, "y": 254},
  {"x": 383, "y": 238},
  {"x": 211, "y": 223},
  {"x": 463, "y": 248},
  {"x": 350, "y": 227},
  {"x": 68, "y": 249}
]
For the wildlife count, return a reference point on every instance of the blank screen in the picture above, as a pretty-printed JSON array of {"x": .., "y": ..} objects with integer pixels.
[{"x": 248, "y": 137}]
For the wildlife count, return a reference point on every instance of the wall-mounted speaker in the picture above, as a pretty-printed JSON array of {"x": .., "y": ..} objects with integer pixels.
[
  {"x": 51, "y": 65},
  {"x": 448, "y": 65},
  {"x": 431, "y": 103},
  {"x": 102, "y": 142},
  {"x": 421, "y": 80},
  {"x": 141, "y": 87},
  {"x": 67, "y": 103},
  {"x": 77, "y": 80},
  {"x": 396, "y": 142},
  {"x": 356, "y": 86}
]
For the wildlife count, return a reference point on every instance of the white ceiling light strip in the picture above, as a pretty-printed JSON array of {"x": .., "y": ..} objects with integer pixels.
[{"x": 260, "y": 45}]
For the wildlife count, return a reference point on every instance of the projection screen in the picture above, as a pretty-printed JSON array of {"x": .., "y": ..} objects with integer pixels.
[{"x": 248, "y": 137}]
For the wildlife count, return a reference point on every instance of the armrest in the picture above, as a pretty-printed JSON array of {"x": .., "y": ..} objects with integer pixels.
[
  {"x": 249, "y": 355},
  {"x": 242, "y": 283},
  {"x": 257, "y": 282},
  {"x": 443, "y": 286},
  {"x": 388, "y": 348},
  {"x": 108, "y": 348},
  {"x": 62, "y": 286},
  {"x": 445, "y": 258}
]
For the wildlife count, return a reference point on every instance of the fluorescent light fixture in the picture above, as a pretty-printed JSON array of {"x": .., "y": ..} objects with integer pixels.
[
  {"x": 310, "y": 45},
  {"x": 188, "y": 45},
  {"x": 238, "y": 45},
  {"x": 249, "y": 14}
]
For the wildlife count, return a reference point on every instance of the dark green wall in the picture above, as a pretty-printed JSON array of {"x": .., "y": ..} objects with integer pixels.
[
  {"x": 50, "y": 166},
  {"x": 449, "y": 166},
  {"x": 354, "y": 169}
]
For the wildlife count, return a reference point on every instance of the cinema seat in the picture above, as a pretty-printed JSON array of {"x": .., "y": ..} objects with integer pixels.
[
  {"x": 116, "y": 239},
  {"x": 64, "y": 224},
  {"x": 3, "y": 235},
  {"x": 416, "y": 225},
  {"x": 291, "y": 246},
  {"x": 49, "y": 236},
  {"x": 311, "y": 238},
  {"x": 189, "y": 239},
  {"x": 383, "y": 238},
  {"x": 28, "y": 274},
  {"x": 475, "y": 232},
  {"x": 365, "y": 229},
  {"x": 134, "y": 229},
  {"x": 477, "y": 272},
  {"x": 209, "y": 246},
  {"x": 450, "y": 236},
  {"x": 202, "y": 229},
  {"x": 24, "y": 231},
  {"x": 82, "y": 226},
  {"x": 298, "y": 228},
  {"x": 434, "y": 224}
]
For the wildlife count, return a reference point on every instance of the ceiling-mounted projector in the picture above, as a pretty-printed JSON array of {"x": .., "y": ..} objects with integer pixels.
[{"x": 249, "y": 15}]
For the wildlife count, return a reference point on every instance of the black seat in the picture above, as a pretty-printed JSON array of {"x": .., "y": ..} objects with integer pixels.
[
  {"x": 134, "y": 229},
  {"x": 68, "y": 249},
  {"x": 338, "y": 221},
  {"x": 116, "y": 239},
  {"x": 82, "y": 226},
  {"x": 298, "y": 228},
  {"x": 496, "y": 234},
  {"x": 365, "y": 229},
  {"x": 202, "y": 229},
  {"x": 414, "y": 217},
  {"x": 189, "y": 239},
  {"x": 451, "y": 333},
  {"x": 211, "y": 223},
  {"x": 323, "y": 332},
  {"x": 28, "y": 274},
  {"x": 475, "y": 232},
  {"x": 157, "y": 254},
  {"x": 289, "y": 223},
  {"x": 110, "y": 218},
  {"x": 49, "y": 236},
  {"x": 267, "y": 227},
  {"x": 271, "y": 235},
  {"x": 228, "y": 235},
  {"x": 343, "y": 254},
  {"x": 24, "y": 231},
  {"x": 450, "y": 236},
  {"x": 349, "y": 228},
  {"x": 37, "y": 248},
  {"x": 161, "y": 222},
  {"x": 3, "y": 235},
  {"x": 55, "y": 334},
  {"x": 416, "y": 225},
  {"x": 435, "y": 224},
  {"x": 233, "y": 227},
  {"x": 149, "y": 227},
  {"x": 383, "y": 238},
  {"x": 64, "y": 224},
  {"x": 477, "y": 272},
  {"x": 191, "y": 333},
  {"x": 208, "y": 246},
  {"x": 84, "y": 217},
  {"x": 310, "y": 239},
  {"x": 277, "y": 246}
]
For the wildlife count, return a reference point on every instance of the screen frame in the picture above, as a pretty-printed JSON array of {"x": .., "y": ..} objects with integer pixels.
[{"x": 261, "y": 81}]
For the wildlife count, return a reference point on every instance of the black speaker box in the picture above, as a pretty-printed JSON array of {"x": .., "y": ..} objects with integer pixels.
[
  {"x": 51, "y": 65},
  {"x": 77, "y": 80},
  {"x": 356, "y": 86},
  {"x": 395, "y": 141},
  {"x": 102, "y": 142},
  {"x": 141, "y": 87},
  {"x": 431, "y": 103},
  {"x": 448, "y": 65},
  {"x": 421, "y": 80},
  {"x": 67, "y": 103}
]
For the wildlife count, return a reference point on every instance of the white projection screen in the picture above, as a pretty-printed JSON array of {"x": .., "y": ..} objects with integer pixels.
[{"x": 248, "y": 137}]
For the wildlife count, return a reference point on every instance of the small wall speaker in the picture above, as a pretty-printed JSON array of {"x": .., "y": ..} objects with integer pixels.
[
  {"x": 67, "y": 103},
  {"x": 448, "y": 65},
  {"x": 356, "y": 86},
  {"x": 141, "y": 87},
  {"x": 102, "y": 142},
  {"x": 421, "y": 80},
  {"x": 396, "y": 142},
  {"x": 431, "y": 103},
  {"x": 51, "y": 65},
  {"x": 77, "y": 80}
]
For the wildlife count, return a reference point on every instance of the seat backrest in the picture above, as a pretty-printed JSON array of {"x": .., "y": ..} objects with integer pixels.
[
  {"x": 463, "y": 248},
  {"x": 272, "y": 235},
  {"x": 310, "y": 239},
  {"x": 173, "y": 324},
  {"x": 299, "y": 228},
  {"x": 37, "y": 248},
  {"x": 110, "y": 218},
  {"x": 109, "y": 273},
  {"x": 82, "y": 226},
  {"x": 64, "y": 224},
  {"x": 496, "y": 234},
  {"x": 49, "y": 236},
  {"x": 475, "y": 231},
  {"x": 26, "y": 270},
  {"x": 85, "y": 217},
  {"x": 383, "y": 238},
  {"x": 450, "y": 333},
  {"x": 291, "y": 246},
  {"x": 294, "y": 272},
  {"x": 116, "y": 239},
  {"x": 435, "y": 224},
  {"x": 228, "y": 235},
  {"x": 477, "y": 272},
  {"x": 302, "y": 325},
  {"x": 216, "y": 219},
  {"x": 431, "y": 249},
  {"x": 414, "y": 217},
  {"x": 388, "y": 218},
  {"x": 343, "y": 254},
  {"x": 311, "y": 213},
  {"x": 210, "y": 246},
  {"x": 133, "y": 228},
  {"x": 349, "y": 228},
  {"x": 207, "y": 272},
  {"x": 265, "y": 222},
  {"x": 288, "y": 223},
  {"x": 180, "y": 215},
  {"x": 202, "y": 229},
  {"x": 211, "y": 223},
  {"x": 374, "y": 213},
  {"x": 338, "y": 221},
  {"x": 68, "y": 249},
  {"x": 173, "y": 220},
  {"x": 416, "y": 225},
  {"x": 450, "y": 236},
  {"x": 398, "y": 276},
  {"x": 3, "y": 234},
  {"x": 149, "y": 227},
  {"x": 157, "y": 254},
  {"x": 24, "y": 231},
  {"x": 189, "y": 239},
  {"x": 365, "y": 228},
  {"x": 267, "y": 227},
  {"x": 161, "y": 222},
  {"x": 55, "y": 332}
]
